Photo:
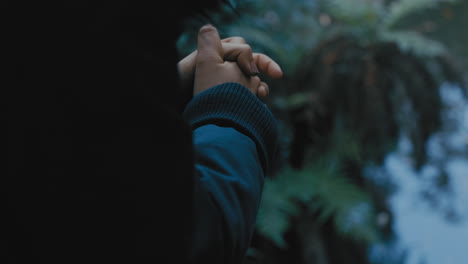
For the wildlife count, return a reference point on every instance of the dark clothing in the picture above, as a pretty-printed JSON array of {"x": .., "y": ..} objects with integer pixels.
[
  {"x": 233, "y": 105},
  {"x": 102, "y": 167},
  {"x": 234, "y": 132}
]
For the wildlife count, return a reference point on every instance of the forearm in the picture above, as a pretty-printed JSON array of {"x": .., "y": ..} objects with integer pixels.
[
  {"x": 227, "y": 193},
  {"x": 235, "y": 143},
  {"x": 232, "y": 105}
]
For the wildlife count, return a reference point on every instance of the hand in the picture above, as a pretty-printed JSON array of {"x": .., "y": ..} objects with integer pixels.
[{"x": 234, "y": 49}]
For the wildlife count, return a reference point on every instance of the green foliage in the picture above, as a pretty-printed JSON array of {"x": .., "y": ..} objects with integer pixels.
[
  {"x": 288, "y": 36},
  {"x": 355, "y": 13},
  {"x": 410, "y": 41},
  {"x": 413, "y": 42},
  {"x": 376, "y": 21},
  {"x": 363, "y": 68},
  {"x": 357, "y": 63},
  {"x": 399, "y": 10},
  {"x": 321, "y": 189},
  {"x": 373, "y": 81}
]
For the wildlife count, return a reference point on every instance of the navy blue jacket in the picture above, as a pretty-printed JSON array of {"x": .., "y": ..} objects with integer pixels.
[{"x": 235, "y": 139}]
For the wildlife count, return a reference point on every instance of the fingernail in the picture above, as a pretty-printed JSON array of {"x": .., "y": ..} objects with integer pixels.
[{"x": 254, "y": 68}]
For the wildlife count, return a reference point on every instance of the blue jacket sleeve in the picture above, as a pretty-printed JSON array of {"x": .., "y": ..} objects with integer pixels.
[
  {"x": 235, "y": 139},
  {"x": 227, "y": 194}
]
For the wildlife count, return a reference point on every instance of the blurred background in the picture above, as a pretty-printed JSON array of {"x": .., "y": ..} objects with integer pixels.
[{"x": 373, "y": 114}]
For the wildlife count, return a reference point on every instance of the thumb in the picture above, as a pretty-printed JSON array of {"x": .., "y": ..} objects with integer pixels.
[{"x": 209, "y": 45}]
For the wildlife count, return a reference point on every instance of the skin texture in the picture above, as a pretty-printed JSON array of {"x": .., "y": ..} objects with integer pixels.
[{"x": 229, "y": 60}]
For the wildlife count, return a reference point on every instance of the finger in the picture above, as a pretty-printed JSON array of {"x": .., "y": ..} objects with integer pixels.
[
  {"x": 187, "y": 64},
  {"x": 242, "y": 54},
  {"x": 255, "y": 82},
  {"x": 238, "y": 40},
  {"x": 263, "y": 90},
  {"x": 209, "y": 45},
  {"x": 267, "y": 65},
  {"x": 233, "y": 52}
]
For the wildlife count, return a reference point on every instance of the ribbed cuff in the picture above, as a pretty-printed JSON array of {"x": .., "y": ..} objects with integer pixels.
[{"x": 233, "y": 105}]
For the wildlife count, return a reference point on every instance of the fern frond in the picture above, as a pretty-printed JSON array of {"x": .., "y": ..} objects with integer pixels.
[
  {"x": 403, "y": 8},
  {"x": 354, "y": 12},
  {"x": 414, "y": 42},
  {"x": 275, "y": 210},
  {"x": 323, "y": 190}
]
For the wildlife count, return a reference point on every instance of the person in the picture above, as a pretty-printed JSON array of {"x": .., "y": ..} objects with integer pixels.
[{"x": 103, "y": 165}]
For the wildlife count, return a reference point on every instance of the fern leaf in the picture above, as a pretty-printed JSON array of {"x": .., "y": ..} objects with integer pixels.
[
  {"x": 275, "y": 211},
  {"x": 403, "y": 8},
  {"x": 354, "y": 12},
  {"x": 413, "y": 42},
  {"x": 323, "y": 190}
]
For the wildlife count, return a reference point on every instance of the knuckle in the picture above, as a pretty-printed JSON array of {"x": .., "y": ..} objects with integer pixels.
[
  {"x": 207, "y": 28},
  {"x": 207, "y": 60},
  {"x": 242, "y": 40},
  {"x": 256, "y": 79},
  {"x": 239, "y": 39},
  {"x": 247, "y": 48}
]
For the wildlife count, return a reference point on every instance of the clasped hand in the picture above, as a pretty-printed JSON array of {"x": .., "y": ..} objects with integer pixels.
[{"x": 219, "y": 61}]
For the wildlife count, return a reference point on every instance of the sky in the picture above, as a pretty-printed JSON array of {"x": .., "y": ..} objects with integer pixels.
[{"x": 422, "y": 230}]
